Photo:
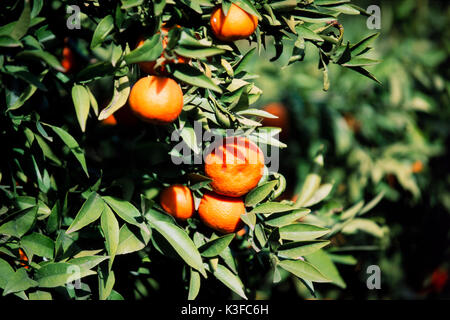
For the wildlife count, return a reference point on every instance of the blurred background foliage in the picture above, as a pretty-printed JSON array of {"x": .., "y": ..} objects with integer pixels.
[{"x": 391, "y": 138}]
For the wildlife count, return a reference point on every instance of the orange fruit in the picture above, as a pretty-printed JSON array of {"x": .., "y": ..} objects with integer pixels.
[
  {"x": 237, "y": 24},
  {"x": 156, "y": 99},
  {"x": 417, "y": 166},
  {"x": 235, "y": 166},
  {"x": 221, "y": 213},
  {"x": 177, "y": 201},
  {"x": 23, "y": 259},
  {"x": 242, "y": 232},
  {"x": 149, "y": 66},
  {"x": 439, "y": 279},
  {"x": 352, "y": 122},
  {"x": 279, "y": 110}
]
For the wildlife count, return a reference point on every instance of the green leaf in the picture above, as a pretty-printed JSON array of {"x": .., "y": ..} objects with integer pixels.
[
  {"x": 359, "y": 47},
  {"x": 81, "y": 101},
  {"x": 104, "y": 27},
  {"x": 39, "y": 245},
  {"x": 57, "y": 274},
  {"x": 215, "y": 247},
  {"x": 302, "y": 232},
  {"x": 343, "y": 259},
  {"x": 303, "y": 270},
  {"x": 360, "y": 62},
  {"x": 47, "y": 151},
  {"x": 110, "y": 228},
  {"x": 243, "y": 62},
  {"x": 177, "y": 237},
  {"x": 87, "y": 262},
  {"x": 365, "y": 225},
  {"x": 73, "y": 146},
  {"x": 95, "y": 71},
  {"x": 312, "y": 182},
  {"x": 189, "y": 137},
  {"x": 321, "y": 193},
  {"x": 323, "y": 262},
  {"x": 257, "y": 112},
  {"x": 9, "y": 42},
  {"x": 228, "y": 258},
  {"x": 92, "y": 100},
  {"x": 20, "y": 224},
  {"x": 6, "y": 273},
  {"x": 150, "y": 50},
  {"x": 25, "y": 202},
  {"x": 127, "y": 4},
  {"x": 106, "y": 281},
  {"x": 307, "y": 33},
  {"x": 120, "y": 97},
  {"x": 127, "y": 212},
  {"x": 40, "y": 295},
  {"x": 260, "y": 193},
  {"x": 23, "y": 23},
  {"x": 188, "y": 46},
  {"x": 40, "y": 55},
  {"x": 19, "y": 281},
  {"x": 131, "y": 240},
  {"x": 194, "y": 285},
  {"x": 353, "y": 211},
  {"x": 372, "y": 203},
  {"x": 272, "y": 207},
  {"x": 282, "y": 218},
  {"x": 364, "y": 72},
  {"x": 249, "y": 218},
  {"x": 193, "y": 76},
  {"x": 295, "y": 250},
  {"x": 230, "y": 280},
  {"x": 90, "y": 211}
]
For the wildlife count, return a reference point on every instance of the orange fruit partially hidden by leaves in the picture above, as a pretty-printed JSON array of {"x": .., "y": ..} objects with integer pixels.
[
  {"x": 68, "y": 61},
  {"x": 241, "y": 232},
  {"x": 279, "y": 110},
  {"x": 156, "y": 99},
  {"x": 439, "y": 279},
  {"x": 417, "y": 166},
  {"x": 149, "y": 66},
  {"x": 221, "y": 213},
  {"x": 177, "y": 201},
  {"x": 235, "y": 166},
  {"x": 23, "y": 259},
  {"x": 237, "y": 24}
]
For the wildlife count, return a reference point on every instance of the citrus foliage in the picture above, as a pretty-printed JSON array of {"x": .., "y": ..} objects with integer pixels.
[
  {"x": 389, "y": 140},
  {"x": 77, "y": 195}
]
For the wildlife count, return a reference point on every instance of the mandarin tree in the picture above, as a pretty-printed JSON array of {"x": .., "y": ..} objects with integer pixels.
[{"x": 80, "y": 197}]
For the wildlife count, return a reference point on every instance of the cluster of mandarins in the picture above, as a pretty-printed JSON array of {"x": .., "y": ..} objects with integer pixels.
[
  {"x": 234, "y": 168},
  {"x": 157, "y": 98}
]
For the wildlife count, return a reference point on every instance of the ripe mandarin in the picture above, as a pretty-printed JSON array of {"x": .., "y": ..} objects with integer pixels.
[
  {"x": 177, "y": 201},
  {"x": 235, "y": 166},
  {"x": 237, "y": 24},
  {"x": 156, "y": 99},
  {"x": 221, "y": 213},
  {"x": 279, "y": 110}
]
